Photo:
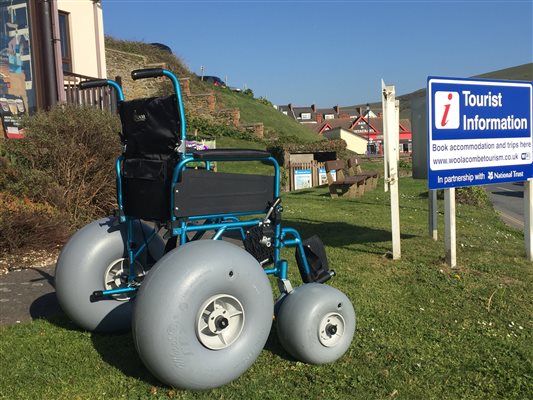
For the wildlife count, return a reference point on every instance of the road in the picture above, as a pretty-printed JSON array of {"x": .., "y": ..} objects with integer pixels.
[{"x": 508, "y": 200}]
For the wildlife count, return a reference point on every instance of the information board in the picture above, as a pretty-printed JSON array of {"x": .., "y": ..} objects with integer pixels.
[
  {"x": 302, "y": 179},
  {"x": 479, "y": 132}
]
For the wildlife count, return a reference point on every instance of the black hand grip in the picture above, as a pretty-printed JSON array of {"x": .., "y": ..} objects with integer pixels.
[
  {"x": 93, "y": 83},
  {"x": 146, "y": 73}
]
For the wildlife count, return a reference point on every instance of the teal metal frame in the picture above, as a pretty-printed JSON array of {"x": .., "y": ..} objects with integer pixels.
[{"x": 219, "y": 223}]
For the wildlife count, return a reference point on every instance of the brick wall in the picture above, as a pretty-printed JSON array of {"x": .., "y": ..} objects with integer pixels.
[{"x": 121, "y": 64}]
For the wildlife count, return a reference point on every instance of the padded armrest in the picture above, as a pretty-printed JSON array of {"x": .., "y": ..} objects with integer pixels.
[{"x": 230, "y": 154}]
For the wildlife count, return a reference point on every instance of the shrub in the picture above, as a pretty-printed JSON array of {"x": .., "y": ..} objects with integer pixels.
[
  {"x": 67, "y": 161},
  {"x": 214, "y": 130},
  {"x": 473, "y": 195},
  {"x": 405, "y": 164},
  {"x": 29, "y": 225}
]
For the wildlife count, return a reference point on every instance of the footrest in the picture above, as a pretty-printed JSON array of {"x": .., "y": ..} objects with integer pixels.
[{"x": 315, "y": 254}]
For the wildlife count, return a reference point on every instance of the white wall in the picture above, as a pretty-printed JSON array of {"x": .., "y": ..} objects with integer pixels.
[
  {"x": 353, "y": 142},
  {"x": 86, "y": 36}
]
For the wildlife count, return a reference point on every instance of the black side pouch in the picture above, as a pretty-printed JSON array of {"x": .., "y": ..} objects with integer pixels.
[{"x": 146, "y": 188}]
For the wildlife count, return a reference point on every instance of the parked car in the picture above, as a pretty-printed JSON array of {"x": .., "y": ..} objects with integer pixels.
[
  {"x": 163, "y": 47},
  {"x": 215, "y": 80}
]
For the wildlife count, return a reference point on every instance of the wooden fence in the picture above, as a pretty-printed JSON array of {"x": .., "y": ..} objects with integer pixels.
[
  {"x": 104, "y": 97},
  {"x": 306, "y": 175}
]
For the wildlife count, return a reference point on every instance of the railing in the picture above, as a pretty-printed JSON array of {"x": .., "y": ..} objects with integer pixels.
[{"x": 104, "y": 97}]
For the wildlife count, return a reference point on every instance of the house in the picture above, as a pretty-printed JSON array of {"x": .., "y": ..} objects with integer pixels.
[
  {"x": 342, "y": 129},
  {"x": 365, "y": 135},
  {"x": 312, "y": 115},
  {"x": 304, "y": 115},
  {"x": 41, "y": 43}
]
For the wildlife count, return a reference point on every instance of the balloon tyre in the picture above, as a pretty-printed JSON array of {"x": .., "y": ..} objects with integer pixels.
[
  {"x": 202, "y": 315},
  {"x": 316, "y": 323},
  {"x": 94, "y": 259}
]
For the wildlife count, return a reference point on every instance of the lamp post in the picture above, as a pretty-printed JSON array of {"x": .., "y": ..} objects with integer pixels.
[{"x": 367, "y": 129}]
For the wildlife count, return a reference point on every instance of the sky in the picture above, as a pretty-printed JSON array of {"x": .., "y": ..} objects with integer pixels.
[{"x": 331, "y": 52}]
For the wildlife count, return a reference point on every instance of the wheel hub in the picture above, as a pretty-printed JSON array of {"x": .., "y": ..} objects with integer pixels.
[
  {"x": 220, "y": 321},
  {"x": 331, "y": 329},
  {"x": 116, "y": 277}
]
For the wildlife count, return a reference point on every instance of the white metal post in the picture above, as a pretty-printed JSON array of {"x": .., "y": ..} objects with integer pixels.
[
  {"x": 528, "y": 214},
  {"x": 449, "y": 227},
  {"x": 397, "y": 129},
  {"x": 432, "y": 214},
  {"x": 391, "y": 143}
]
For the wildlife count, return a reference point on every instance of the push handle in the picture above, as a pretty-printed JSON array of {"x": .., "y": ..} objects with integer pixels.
[
  {"x": 147, "y": 73},
  {"x": 93, "y": 83}
]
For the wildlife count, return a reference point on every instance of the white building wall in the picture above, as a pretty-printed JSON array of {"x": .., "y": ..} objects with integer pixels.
[
  {"x": 86, "y": 36},
  {"x": 353, "y": 142}
]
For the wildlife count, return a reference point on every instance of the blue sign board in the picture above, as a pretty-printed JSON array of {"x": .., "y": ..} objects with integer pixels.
[
  {"x": 302, "y": 179},
  {"x": 479, "y": 132}
]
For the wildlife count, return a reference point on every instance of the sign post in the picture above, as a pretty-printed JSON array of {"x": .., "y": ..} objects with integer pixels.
[
  {"x": 528, "y": 214},
  {"x": 479, "y": 133},
  {"x": 432, "y": 214},
  {"x": 449, "y": 227},
  {"x": 391, "y": 124}
]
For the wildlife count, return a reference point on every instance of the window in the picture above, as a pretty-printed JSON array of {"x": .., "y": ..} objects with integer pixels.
[
  {"x": 64, "y": 35},
  {"x": 329, "y": 116},
  {"x": 305, "y": 115},
  {"x": 407, "y": 147}
]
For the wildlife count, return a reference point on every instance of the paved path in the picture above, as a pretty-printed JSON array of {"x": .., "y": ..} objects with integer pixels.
[
  {"x": 27, "y": 294},
  {"x": 508, "y": 200}
]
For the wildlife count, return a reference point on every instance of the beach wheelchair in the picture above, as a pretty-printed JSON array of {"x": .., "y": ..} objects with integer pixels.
[{"x": 188, "y": 258}]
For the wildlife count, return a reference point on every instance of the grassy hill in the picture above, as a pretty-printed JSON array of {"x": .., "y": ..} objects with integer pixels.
[
  {"x": 519, "y": 73},
  {"x": 252, "y": 110}
]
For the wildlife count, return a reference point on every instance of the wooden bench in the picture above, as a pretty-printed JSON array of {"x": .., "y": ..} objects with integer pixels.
[
  {"x": 354, "y": 169},
  {"x": 345, "y": 186}
]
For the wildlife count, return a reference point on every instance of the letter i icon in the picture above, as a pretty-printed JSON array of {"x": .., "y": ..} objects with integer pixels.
[{"x": 447, "y": 110}]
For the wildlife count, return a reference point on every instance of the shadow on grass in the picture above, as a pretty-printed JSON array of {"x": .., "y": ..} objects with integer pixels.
[
  {"x": 341, "y": 234},
  {"x": 273, "y": 345},
  {"x": 118, "y": 350}
]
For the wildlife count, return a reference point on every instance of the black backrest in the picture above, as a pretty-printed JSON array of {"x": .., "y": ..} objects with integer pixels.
[{"x": 150, "y": 127}]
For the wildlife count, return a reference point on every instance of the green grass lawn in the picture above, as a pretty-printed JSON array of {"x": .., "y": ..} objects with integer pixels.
[{"x": 425, "y": 331}]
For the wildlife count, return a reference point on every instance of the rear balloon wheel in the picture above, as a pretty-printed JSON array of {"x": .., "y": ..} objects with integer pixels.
[{"x": 94, "y": 259}]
